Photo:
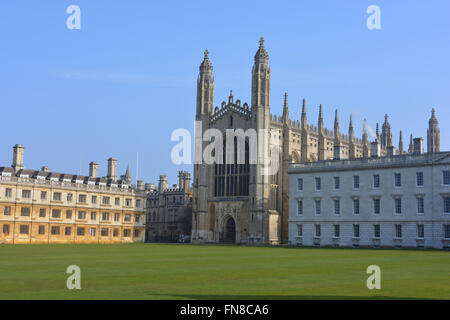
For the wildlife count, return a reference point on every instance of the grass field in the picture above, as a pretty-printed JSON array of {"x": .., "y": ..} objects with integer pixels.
[{"x": 164, "y": 271}]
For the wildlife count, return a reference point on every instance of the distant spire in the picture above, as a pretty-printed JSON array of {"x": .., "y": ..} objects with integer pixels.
[
  {"x": 304, "y": 123},
  {"x": 320, "y": 119},
  {"x": 378, "y": 132},
  {"x": 337, "y": 134},
  {"x": 386, "y": 135},
  {"x": 127, "y": 176},
  {"x": 411, "y": 145},
  {"x": 433, "y": 134},
  {"x": 400, "y": 143},
  {"x": 206, "y": 64},
  {"x": 351, "y": 134},
  {"x": 285, "y": 108},
  {"x": 261, "y": 55}
]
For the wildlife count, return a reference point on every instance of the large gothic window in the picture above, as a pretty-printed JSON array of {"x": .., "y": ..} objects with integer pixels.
[{"x": 232, "y": 179}]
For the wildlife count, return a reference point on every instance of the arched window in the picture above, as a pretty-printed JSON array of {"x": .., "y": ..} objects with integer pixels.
[{"x": 232, "y": 179}]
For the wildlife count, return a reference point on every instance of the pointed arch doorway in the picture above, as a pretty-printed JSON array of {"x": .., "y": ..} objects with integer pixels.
[{"x": 229, "y": 230}]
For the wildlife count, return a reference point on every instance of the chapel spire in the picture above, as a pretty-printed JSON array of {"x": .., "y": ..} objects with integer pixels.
[
  {"x": 320, "y": 122},
  {"x": 433, "y": 134},
  {"x": 337, "y": 134},
  {"x": 304, "y": 120},
  {"x": 285, "y": 109},
  {"x": 205, "y": 88},
  {"x": 400, "y": 143},
  {"x": 351, "y": 133},
  {"x": 261, "y": 78}
]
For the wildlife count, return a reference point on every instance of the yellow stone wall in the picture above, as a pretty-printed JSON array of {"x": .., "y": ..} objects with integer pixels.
[{"x": 126, "y": 216}]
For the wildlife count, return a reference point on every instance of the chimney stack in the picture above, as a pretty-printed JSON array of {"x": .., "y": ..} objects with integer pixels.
[
  {"x": 162, "y": 183},
  {"x": 184, "y": 181},
  {"x": 45, "y": 169},
  {"x": 150, "y": 187},
  {"x": 112, "y": 169},
  {"x": 390, "y": 151},
  {"x": 17, "y": 157},
  {"x": 93, "y": 169},
  {"x": 375, "y": 149},
  {"x": 140, "y": 185},
  {"x": 418, "y": 146}
]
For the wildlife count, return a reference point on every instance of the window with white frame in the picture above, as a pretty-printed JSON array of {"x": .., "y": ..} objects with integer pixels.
[
  {"x": 397, "y": 180},
  {"x": 80, "y": 231},
  {"x": 26, "y": 194},
  {"x": 419, "y": 179},
  {"x": 356, "y": 206},
  {"x": 398, "y": 231},
  {"x": 318, "y": 184},
  {"x": 447, "y": 231},
  {"x": 318, "y": 209},
  {"x": 398, "y": 205},
  {"x": 337, "y": 206},
  {"x": 446, "y": 177},
  {"x": 376, "y": 205},
  {"x": 337, "y": 231},
  {"x": 25, "y": 212},
  {"x": 82, "y": 198},
  {"x": 376, "y": 180},
  {"x": 420, "y": 231},
  {"x": 54, "y": 230},
  {"x": 355, "y": 182},
  {"x": 376, "y": 231},
  {"x": 24, "y": 229},
  {"x": 56, "y": 213},
  {"x": 318, "y": 231},
  {"x": 300, "y": 184},
  {"x": 447, "y": 204},
  {"x": 356, "y": 230},
  {"x": 57, "y": 196},
  {"x": 299, "y": 207},
  {"x": 82, "y": 215},
  {"x": 300, "y": 230},
  {"x": 420, "y": 205},
  {"x": 92, "y": 232},
  {"x": 105, "y": 200},
  {"x": 337, "y": 183}
]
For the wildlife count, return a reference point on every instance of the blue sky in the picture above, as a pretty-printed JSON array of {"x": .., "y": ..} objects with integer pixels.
[{"x": 127, "y": 79}]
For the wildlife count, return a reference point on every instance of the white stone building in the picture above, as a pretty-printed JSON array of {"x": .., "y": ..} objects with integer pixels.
[{"x": 393, "y": 201}]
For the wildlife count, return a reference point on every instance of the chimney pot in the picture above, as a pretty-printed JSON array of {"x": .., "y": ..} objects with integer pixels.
[
  {"x": 17, "y": 157},
  {"x": 112, "y": 169},
  {"x": 93, "y": 169},
  {"x": 418, "y": 146}
]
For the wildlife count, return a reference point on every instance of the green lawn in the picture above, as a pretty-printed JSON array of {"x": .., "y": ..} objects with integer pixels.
[{"x": 164, "y": 271}]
